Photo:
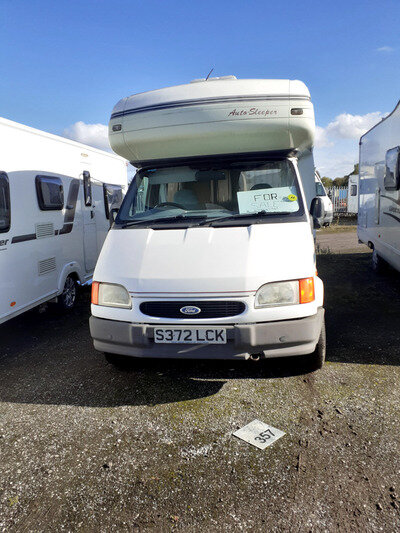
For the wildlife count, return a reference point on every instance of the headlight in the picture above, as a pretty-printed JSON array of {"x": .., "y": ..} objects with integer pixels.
[
  {"x": 300, "y": 291},
  {"x": 281, "y": 293},
  {"x": 110, "y": 295}
]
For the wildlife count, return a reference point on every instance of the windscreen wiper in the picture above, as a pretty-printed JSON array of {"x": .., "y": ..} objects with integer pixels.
[
  {"x": 179, "y": 217},
  {"x": 237, "y": 216}
]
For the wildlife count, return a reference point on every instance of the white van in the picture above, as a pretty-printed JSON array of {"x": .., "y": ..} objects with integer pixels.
[
  {"x": 212, "y": 252},
  {"x": 379, "y": 191},
  {"x": 326, "y": 201},
  {"x": 55, "y": 201}
]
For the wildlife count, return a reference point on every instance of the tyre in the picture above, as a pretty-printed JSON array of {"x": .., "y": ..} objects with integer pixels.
[
  {"x": 121, "y": 362},
  {"x": 67, "y": 298},
  {"x": 378, "y": 264},
  {"x": 318, "y": 356}
]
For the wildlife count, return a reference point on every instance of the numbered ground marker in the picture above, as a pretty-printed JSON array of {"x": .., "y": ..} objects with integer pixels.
[{"x": 259, "y": 434}]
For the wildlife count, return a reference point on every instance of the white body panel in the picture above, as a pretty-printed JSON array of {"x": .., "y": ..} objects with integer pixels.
[
  {"x": 379, "y": 211},
  {"x": 42, "y": 247},
  {"x": 206, "y": 263},
  {"x": 213, "y": 117},
  {"x": 352, "y": 198}
]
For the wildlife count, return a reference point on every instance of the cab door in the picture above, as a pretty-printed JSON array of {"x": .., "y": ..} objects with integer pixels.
[{"x": 89, "y": 224}]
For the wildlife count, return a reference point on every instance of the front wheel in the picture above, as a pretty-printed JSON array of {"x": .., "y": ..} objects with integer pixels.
[
  {"x": 318, "y": 356},
  {"x": 378, "y": 264},
  {"x": 67, "y": 298}
]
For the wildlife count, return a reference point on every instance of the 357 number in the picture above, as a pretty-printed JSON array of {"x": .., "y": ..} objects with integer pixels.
[{"x": 265, "y": 436}]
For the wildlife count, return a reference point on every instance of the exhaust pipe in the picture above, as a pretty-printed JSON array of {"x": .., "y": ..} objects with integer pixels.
[{"x": 255, "y": 356}]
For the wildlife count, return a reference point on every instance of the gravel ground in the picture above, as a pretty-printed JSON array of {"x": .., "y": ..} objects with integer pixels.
[
  {"x": 85, "y": 447},
  {"x": 333, "y": 241}
]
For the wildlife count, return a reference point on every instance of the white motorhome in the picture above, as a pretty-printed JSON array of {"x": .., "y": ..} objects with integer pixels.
[
  {"x": 379, "y": 191},
  {"x": 212, "y": 252},
  {"x": 55, "y": 201},
  {"x": 326, "y": 201},
  {"x": 352, "y": 198}
]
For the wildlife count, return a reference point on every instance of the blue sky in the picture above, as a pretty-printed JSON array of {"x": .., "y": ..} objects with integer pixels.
[{"x": 66, "y": 62}]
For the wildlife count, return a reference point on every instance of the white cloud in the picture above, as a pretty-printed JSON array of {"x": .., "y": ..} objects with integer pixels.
[
  {"x": 95, "y": 135},
  {"x": 336, "y": 145},
  {"x": 321, "y": 137},
  {"x": 346, "y": 126},
  {"x": 385, "y": 49}
]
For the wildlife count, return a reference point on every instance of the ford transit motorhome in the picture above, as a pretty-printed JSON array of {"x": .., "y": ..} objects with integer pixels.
[
  {"x": 212, "y": 252},
  {"x": 55, "y": 202},
  {"x": 379, "y": 191}
]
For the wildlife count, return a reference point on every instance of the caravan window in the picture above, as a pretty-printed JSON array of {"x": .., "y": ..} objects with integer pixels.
[
  {"x": 112, "y": 198},
  {"x": 50, "y": 193},
  {"x": 5, "y": 208},
  {"x": 353, "y": 190},
  {"x": 87, "y": 188},
  {"x": 391, "y": 180}
]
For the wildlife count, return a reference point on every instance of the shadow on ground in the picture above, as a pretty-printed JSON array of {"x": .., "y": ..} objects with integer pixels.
[{"x": 48, "y": 358}]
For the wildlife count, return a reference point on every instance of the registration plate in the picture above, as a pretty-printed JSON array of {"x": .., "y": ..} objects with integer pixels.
[{"x": 190, "y": 335}]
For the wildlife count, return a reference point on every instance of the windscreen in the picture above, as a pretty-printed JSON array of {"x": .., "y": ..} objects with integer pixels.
[{"x": 235, "y": 190}]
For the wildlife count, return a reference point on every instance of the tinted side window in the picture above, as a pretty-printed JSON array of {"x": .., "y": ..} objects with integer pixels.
[
  {"x": 87, "y": 187},
  {"x": 353, "y": 190},
  {"x": 5, "y": 207},
  {"x": 50, "y": 193},
  {"x": 391, "y": 180},
  {"x": 112, "y": 198}
]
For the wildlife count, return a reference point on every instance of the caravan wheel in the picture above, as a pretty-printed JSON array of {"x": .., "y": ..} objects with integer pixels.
[{"x": 67, "y": 298}]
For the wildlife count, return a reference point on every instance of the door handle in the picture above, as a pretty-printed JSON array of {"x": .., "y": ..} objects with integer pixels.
[{"x": 91, "y": 214}]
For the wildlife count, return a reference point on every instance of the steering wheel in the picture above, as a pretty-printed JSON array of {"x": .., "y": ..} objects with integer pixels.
[{"x": 173, "y": 204}]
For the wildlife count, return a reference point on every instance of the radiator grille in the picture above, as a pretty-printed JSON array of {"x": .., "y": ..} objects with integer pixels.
[
  {"x": 209, "y": 309},
  {"x": 46, "y": 266},
  {"x": 44, "y": 230}
]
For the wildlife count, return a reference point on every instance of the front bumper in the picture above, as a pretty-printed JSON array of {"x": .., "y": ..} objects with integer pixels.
[{"x": 272, "y": 339}]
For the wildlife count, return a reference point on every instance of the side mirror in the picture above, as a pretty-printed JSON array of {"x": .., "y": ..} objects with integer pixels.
[
  {"x": 113, "y": 214},
  {"x": 317, "y": 212}
]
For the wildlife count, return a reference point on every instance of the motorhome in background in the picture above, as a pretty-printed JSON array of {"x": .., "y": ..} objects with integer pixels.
[
  {"x": 327, "y": 202},
  {"x": 379, "y": 203},
  {"x": 352, "y": 195},
  {"x": 55, "y": 201},
  {"x": 212, "y": 252}
]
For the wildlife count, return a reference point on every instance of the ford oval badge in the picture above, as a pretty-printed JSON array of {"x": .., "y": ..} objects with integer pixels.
[{"x": 190, "y": 310}]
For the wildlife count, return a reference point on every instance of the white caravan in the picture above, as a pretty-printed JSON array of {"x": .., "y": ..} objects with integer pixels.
[
  {"x": 326, "y": 201},
  {"x": 379, "y": 202},
  {"x": 212, "y": 252},
  {"x": 352, "y": 197},
  {"x": 55, "y": 201}
]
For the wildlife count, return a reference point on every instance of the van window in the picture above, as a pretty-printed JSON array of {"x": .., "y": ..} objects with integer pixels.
[
  {"x": 235, "y": 191},
  {"x": 5, "y": 207},
  {"x": 112, "y": 198},
  {"x": 50, "y": 193},
  {"x": 353, "y": 190},
  {"x": 87, "y": 187},
  {"x": 391, "y": 180},
  {"x": 320, "y": 191}
]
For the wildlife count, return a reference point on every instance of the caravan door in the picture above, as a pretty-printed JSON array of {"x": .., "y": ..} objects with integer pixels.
[{"x": 89, "y": 224}]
